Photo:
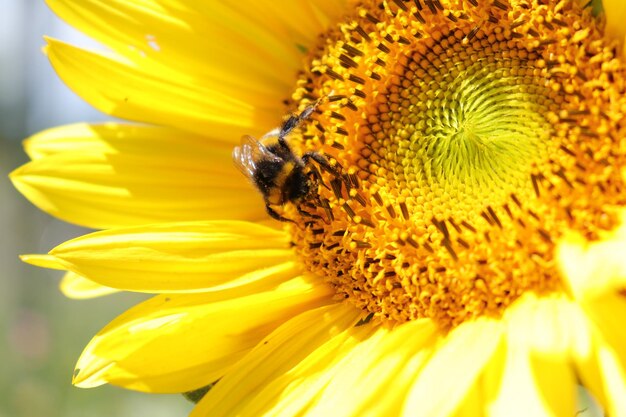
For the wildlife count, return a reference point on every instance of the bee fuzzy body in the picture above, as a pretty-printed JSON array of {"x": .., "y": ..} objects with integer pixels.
[
  {"x": 277, "y": 172},
  {"x": 281, "y": 182}
]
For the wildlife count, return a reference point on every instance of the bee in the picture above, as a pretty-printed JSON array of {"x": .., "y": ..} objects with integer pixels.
[{"x": 277, "y": 172}]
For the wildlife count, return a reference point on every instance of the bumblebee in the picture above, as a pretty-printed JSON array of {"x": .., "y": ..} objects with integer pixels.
[{"x": 272, "y": 166}]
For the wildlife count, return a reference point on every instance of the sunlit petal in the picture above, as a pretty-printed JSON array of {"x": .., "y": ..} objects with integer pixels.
[
  {"x": 594, "y": 268},
  {"x": 117, "y": 175},
  {"x": 176, "y": 343},
  {"x": 321, "y": 334},
  {"x": 182, "y": 257},
  {"x": 74, "y": 286},
  {"x": 531, "y": 373}
]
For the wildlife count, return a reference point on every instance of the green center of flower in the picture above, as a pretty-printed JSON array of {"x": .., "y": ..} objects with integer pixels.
[
  {"x": 465, "y": 138},
  {"x": 475, "y": 133}
]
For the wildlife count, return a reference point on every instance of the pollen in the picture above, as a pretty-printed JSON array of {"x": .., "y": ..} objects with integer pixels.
[{"x": 465, "y": 138}]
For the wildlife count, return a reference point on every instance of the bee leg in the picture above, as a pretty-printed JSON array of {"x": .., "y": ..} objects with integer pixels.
[
  {"x": 307, "y": 214},
  {"x": 323, "y": 203},
  {"x": 326, "y": 206},
  {"x": 275, "y": 215},
  {"x": 294, "y": 120},
  {"x": 323, "y": 162},
  {"x": 306, "y": 113},
  {"x": 317, "y": 177},
  {"x": 289, "y": 125}
]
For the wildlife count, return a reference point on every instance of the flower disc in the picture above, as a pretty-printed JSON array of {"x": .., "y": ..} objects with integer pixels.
[{"x": 466, "y": 137}]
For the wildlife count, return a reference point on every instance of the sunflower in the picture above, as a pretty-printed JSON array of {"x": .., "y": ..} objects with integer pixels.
[{"x": 459, "y": 249}]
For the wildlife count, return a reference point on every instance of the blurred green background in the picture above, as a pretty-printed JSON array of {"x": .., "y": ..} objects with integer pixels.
[{"x": 42, "y": 333}]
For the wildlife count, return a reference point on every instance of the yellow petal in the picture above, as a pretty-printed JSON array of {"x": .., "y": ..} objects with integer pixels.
[
  {"x": 287, "y": 366},
  {"x": 259, "y": 51},
  {"x": 148, "y": 92},
  {"x": 531, "y": 374},
  {"x": 391, "y": 358},
  {"x": 545, "y": 337},
  {"x": 157, "y": 45},
  {"x": 474, "y": 402},
  {"x": 43, "y": 261},
  {"x": 176, "y": 343},
  {"x": 295, "y": 391},
  {"x": 294, "y": 24},
  {"x": 608, "y": 313},
  {"x": 111, "y": 139},
  {"x": 596, "y": 273},
  {"x": 175, "y": 257},
  {"x": 522, "y": 384},
  {"x": 115, "y": 175},
  {"x": 615, "y": 12},
  {"x": 599, "y": 367},
  {"x": 614, "y": 377},
  {"x": 317, "y": 385},
  {"x": 456, "y": 365},
  {"x": 594, "y": 268},
  {"x": 74, "y": 286},
  {"x": 258, "y": 55}
]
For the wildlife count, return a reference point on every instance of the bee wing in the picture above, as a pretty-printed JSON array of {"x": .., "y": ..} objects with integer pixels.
[
  {"x": 248, "y": 153},
  {"x": 272, "y": 133}
]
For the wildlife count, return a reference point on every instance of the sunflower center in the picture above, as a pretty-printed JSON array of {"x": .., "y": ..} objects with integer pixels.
[
  {"x": 474, "y": 134},
  {"x": 465, "y": 138}
]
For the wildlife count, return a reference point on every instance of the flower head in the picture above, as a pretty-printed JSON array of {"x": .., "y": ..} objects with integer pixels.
[{"x": 455, "y": 243}]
